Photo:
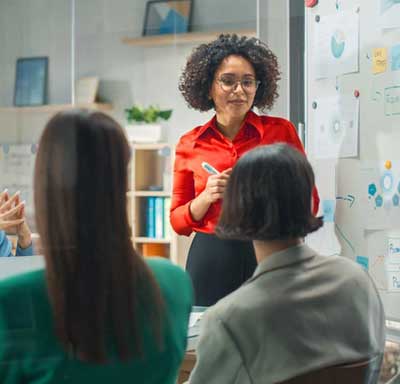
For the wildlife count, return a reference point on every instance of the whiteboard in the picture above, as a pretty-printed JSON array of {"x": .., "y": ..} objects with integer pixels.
[
  {"x": 17, "y": 163},
  {"x": 353, "y": 134}
]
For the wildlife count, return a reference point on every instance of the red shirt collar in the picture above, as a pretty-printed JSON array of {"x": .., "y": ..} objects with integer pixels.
[{"x": 251, "y": 118}]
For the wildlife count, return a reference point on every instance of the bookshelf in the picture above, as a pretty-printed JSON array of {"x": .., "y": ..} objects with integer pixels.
[
  {"x": 150, "y": 175},
  {"x": 181, "y": 38}
]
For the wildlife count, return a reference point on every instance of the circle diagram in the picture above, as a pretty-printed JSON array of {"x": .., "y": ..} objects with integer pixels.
[{"x": 338, "y": 44}]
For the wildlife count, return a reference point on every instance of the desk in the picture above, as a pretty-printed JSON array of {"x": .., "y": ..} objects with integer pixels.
[
  {"x": 187, "y": 365},
  {"x": 193, "y": 336}
]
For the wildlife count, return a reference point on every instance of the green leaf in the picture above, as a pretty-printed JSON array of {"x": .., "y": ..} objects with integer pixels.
[
  {"x": 149, "y": 115},
  {"x": 165, "y": 115}
]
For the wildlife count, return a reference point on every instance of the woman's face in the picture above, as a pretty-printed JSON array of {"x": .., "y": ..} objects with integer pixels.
[{"x": 233, "y": 88}]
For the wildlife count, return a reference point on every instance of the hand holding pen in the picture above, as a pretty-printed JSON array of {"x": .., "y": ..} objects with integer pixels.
[{"x": 216, "y": 183}]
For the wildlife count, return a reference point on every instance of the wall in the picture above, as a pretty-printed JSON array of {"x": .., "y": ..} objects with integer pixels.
[
  {"x": 33, "y": 28},
  {"x": 274, "y": 29},
  {"x": 128, "y": 74},
  {"x": 146, "y": 75},
  {"x": 36, "y": 28}
]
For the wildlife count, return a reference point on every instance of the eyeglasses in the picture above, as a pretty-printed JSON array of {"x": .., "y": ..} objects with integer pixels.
[{"x": 229, "y": 84}]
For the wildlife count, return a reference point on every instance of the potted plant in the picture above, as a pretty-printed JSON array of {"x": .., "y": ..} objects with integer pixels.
[{"x": 144, "y": 123}]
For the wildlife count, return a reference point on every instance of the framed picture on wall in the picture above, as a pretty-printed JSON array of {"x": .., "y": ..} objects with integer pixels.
[
  {"x": 31, "y": 81},
  {"x": 167, "y": 17}
]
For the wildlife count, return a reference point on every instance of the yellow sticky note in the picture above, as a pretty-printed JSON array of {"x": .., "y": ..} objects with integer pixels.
[{"x": 379, "y": 60}]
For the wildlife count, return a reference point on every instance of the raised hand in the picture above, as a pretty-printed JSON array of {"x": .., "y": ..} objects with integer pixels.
[
  {"x": 10, "y": 209},
  {"x": 12, "y": 218}
]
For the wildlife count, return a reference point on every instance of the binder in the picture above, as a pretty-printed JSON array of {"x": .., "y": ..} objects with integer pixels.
[
  {"x": 150, "y": 217},
  {"x": 159, "y": 217},
  {"x": 167, "y": 225}
]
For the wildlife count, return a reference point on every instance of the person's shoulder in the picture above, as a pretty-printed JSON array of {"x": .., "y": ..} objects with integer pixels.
[
  {"x": 275, "y": 121},
  {"x": 161, "y": 265},
  {"x": 347, "y": 271},
  {"x": 341, "y": 263},
  {"x": 28, "y": 282},
  {"x": 22, "y": 280},
  {"x": 236, "y": 309},
  {"x": 169, "y": 276},
  {"x": 188, "y": 137},
  {"x": 346, "y": 266}
]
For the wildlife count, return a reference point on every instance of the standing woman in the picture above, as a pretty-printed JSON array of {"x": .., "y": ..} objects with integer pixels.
[{"x": 231, "y": 75}]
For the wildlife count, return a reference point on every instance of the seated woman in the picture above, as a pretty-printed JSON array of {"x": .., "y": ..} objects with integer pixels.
[
  {"x": 299, "y": 311},
  {"x": 12, "y": 219},
  {"x": 98, "y": 313}
]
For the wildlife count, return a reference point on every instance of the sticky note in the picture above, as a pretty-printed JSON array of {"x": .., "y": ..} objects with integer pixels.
[
  {"x": 394, "y": 250},
  {"x": 363, "y": 261},
  {"x": 328, "y": 208},
  {"x": 379, "y": 60},
  {"x": 395, "y": 57},
  {"x": 393, "y": 277}
]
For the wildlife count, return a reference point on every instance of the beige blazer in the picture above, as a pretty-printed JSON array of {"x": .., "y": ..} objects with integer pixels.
[{"x": 300, "y": 311}]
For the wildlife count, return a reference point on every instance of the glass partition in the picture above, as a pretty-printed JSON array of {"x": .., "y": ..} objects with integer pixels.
[{"x": 36, "y": 78}]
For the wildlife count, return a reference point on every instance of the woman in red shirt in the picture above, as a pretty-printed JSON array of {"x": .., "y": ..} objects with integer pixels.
[{"x": 230, "y": 75}]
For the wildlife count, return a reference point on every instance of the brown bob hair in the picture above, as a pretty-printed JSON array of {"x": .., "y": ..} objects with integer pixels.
[
  {"x": 98, "y": 285},
  {"x": 268, "y": 196}
]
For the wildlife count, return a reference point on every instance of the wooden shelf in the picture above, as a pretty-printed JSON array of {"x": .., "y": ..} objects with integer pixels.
[
  {"x": 149, "y": 146},
  {"x": 150, "y": 193},
  {"x": 182, "y": 38},
  {"x": 147, "y": 169},
  {"x": 50, "y": 108},
  {"x": 151, "y": 240}
]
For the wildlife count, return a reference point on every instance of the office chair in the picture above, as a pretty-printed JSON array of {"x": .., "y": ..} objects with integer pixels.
[{"x": 363, "y": 372}]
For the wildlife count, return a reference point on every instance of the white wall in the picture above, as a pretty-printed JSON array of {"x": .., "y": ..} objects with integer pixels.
[
  {"x": 128, "y": 74},
  {"x": 133, "y": 74},
  {"x": 33, "y": 28},
  {"x": 36, "y": 28},
  {"x": 274, "y": 30}
]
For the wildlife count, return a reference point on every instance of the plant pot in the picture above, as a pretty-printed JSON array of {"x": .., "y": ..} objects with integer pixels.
[{"x": 144, "y": 133}]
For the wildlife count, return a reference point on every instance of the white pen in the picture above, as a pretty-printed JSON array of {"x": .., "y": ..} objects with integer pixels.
[{"x": 209, "y": 168}]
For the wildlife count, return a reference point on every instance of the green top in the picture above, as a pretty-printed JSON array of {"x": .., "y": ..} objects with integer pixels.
[{"x": 31, "y": 353}]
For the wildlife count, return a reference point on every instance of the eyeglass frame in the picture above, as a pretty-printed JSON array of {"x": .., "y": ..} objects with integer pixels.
[{"x": 234, "y": 86}]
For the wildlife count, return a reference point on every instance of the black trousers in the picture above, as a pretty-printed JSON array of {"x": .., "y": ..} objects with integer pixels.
[{"x": 218, "y": 267}]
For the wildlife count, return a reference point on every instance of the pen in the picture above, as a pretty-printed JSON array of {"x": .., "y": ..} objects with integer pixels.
[{"x": 209, "y": 168}]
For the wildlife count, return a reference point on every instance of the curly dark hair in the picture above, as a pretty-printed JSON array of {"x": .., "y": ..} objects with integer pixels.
[{"x": 197, "y": 77}]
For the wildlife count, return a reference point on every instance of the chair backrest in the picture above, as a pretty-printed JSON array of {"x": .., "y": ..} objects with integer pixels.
[{"x": 363, "y": 372}]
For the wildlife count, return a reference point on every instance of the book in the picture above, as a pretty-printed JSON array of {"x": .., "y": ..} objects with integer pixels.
[
  {"x": 167, "y": 224},
  {"x": 159, "y": 217},
  {"x": 150, "y": 217}
]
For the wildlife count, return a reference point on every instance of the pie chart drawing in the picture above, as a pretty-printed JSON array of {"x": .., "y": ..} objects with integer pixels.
[
  {"x": 338, "y": 44},
  {"x": 336, "y": 129}
]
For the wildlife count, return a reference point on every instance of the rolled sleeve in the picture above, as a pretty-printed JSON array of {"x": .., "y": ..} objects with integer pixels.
[
  {"x": 5, "y": 245},
  {"x": 183, "y": 193},
  {"x": 28, "y": 251}
]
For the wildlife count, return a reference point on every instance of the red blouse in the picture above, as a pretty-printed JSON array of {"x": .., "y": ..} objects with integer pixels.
[{"x": 206, "y": 143}]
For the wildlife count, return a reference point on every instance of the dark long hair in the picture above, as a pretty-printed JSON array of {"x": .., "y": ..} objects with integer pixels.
[
  {"x": 100, "y": 289},
  {"x": 268, "y": 196}
]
